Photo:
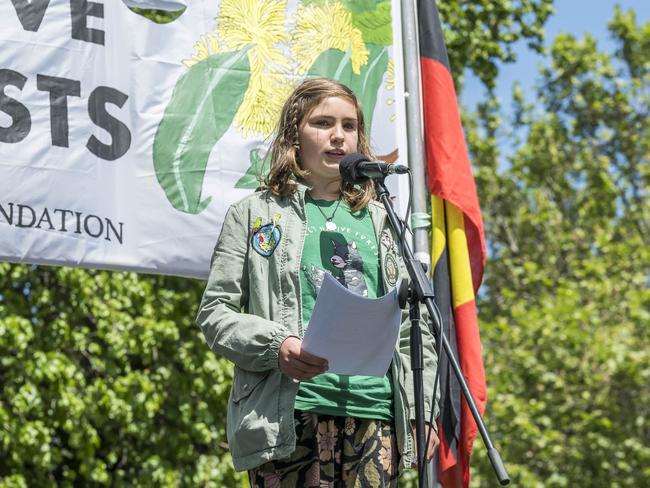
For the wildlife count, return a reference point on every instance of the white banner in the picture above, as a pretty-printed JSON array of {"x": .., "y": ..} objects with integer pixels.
[{"x": 123, "y": 140}]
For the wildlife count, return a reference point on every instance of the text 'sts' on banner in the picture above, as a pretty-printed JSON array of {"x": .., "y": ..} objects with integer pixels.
[{"x": 123, "y": 139}]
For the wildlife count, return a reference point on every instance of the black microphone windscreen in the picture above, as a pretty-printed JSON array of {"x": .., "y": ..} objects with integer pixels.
[{"x": 348, "y": 167}]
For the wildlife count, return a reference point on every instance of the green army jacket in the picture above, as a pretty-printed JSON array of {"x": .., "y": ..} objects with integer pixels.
[{"x": 252, "y": 303}]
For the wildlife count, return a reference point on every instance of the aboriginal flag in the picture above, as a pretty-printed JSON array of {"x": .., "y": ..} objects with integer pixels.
[{"x": 458, "y": 248}]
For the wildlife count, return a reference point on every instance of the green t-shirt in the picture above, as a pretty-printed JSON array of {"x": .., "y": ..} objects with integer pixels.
[{"x": 351, "y": 254}]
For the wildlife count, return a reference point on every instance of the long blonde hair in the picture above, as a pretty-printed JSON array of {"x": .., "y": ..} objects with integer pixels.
[{"x": 285, "y": 172}]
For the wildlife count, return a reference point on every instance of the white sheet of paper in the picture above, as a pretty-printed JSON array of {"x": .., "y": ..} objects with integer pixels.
[{"x": 356, "y": 335}]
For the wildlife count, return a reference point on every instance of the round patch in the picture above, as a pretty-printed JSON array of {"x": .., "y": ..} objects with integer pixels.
[
  {"x": 265, "y": 239},
  {"x": 391, "y": 270}
]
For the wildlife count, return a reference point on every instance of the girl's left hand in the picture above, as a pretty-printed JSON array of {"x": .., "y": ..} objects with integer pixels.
[{"x": 432, "y": 446}]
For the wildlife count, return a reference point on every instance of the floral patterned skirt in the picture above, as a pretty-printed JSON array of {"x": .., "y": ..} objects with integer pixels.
[{"x": 334, "y": 452}]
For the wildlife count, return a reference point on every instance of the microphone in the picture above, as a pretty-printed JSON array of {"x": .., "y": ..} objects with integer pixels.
[{"x": 357, "y": 168}]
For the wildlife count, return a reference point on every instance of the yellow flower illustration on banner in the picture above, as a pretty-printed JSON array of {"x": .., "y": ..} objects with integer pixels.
[
  {"x": 260, "y": 24},
  {"x": 326, "y": 26},
  {"x": 390, "y": 85},
  {"x": 390, "y": 75},
  {"x": 263, "y": 102},
  {"x": 206, "y": 46}
]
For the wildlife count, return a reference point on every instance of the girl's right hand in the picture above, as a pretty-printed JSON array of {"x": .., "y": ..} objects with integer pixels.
[{"x": 299, "y": 364}]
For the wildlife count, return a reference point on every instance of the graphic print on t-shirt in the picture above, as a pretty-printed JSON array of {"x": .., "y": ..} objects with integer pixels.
[
  {"x": 350, "y": 253},
  {"x": 346, "y": 258}
]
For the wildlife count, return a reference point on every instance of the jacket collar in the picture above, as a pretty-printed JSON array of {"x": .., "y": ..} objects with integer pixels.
[{"x": 376, "y": 209}]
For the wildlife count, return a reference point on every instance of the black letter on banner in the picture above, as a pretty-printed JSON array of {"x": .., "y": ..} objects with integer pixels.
[
  {"x": 20, "y": 216},
  {"x": 9, "y": 218},
  {"x": 60, "y": 89},
  {"x": 120, "y": 134},
  {"x": 31, "y": 13},
  {"x": 80, "y": 10},
  {"x": 22, "y": 121}
]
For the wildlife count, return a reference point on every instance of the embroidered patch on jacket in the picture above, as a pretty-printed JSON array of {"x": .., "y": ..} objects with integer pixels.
[
  {"x": 266, "y": 237},
  {"x": 386, "y": 240},
  {"x": 391, "y": 269}
]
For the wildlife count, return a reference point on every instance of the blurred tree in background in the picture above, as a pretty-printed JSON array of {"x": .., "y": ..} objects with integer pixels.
[
  {"x": 107, "y": 381},
  {"x": 565, "y": 309}
]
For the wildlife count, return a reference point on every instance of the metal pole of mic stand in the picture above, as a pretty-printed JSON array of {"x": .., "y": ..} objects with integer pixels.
[
  {"x": 423, "y": 293},
  {"x": 417, "y": 366}
]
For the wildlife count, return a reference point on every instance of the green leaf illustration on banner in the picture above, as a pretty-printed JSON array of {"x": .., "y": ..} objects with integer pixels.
[
  {"x": 203, "y": 105},
  {"x": 376, "y": 25},
  {"x": 158, "y": 16},
  {"x": 357, "y": 6},
  {"x": 256, "y": 171},
  {"x": 337, "y": 64}
]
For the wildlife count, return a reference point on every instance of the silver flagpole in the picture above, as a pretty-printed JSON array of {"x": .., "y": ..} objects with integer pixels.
[
  {"x": 415, "y": 130},
  {"x": 417, "y": 157}
]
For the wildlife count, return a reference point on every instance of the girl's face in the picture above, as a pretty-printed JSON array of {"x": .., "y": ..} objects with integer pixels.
[{"x": 326, "y": 134}]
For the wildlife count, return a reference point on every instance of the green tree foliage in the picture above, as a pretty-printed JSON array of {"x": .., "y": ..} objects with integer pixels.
[
  {"x": 565, "y": 310},
  {"x": 480, "y": 34},
  {"x": 106, "y": 381}
]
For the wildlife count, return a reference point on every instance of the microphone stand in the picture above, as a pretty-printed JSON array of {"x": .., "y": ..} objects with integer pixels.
[{"x": 422, "y": 292}]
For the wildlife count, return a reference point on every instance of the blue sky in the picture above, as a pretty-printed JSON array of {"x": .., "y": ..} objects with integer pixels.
[{"x": 577, "y": 17}]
